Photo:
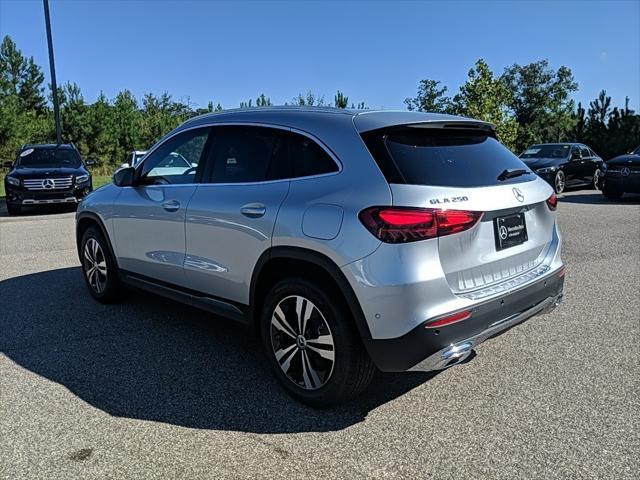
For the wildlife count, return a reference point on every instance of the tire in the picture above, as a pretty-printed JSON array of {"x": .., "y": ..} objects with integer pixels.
[
  {"x": 610, "y": 193},
  {"x": 14, "y": 209},
  {"x": 559, "y": 182},
  {"x": 102, "y": 281},
  {"x": 329, "y": 365},
  {"x": 596, "y": 176}
]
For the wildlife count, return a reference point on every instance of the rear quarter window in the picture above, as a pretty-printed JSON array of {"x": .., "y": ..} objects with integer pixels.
[{"x": 442, "y": 157}]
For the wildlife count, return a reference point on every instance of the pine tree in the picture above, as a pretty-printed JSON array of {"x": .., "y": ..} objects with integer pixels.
[{"x": 340, "y": 100}]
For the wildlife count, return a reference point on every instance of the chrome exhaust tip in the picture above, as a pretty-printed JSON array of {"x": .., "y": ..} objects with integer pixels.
[
  {"x": 557, "y": 301},
  {"x": 455, "y": 354}
]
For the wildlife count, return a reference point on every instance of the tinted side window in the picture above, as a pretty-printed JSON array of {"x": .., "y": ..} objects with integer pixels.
[
  {"x": 575, "y": 151},
  {"x": 176, "y": 160},
  {"x": 308, "y": 158},
  {"x": 246, "y": 154},
  {"x": 585, "y": 152}
]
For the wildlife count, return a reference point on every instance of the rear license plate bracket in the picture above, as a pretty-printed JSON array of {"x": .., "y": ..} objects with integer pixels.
[{"x": 510, "y": 231}]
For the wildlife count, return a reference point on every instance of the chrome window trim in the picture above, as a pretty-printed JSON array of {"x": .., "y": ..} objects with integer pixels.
[{"x": 276, "y": 126}]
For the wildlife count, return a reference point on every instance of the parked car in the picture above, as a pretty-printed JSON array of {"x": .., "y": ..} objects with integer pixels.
[
  {"x": 621, "y": 175},
  {"x": 564, "y": 165},
  {"x": 134, "y": 158},
  {"x": 44, "y": 175},
  {"x": 349, "y": 241}
]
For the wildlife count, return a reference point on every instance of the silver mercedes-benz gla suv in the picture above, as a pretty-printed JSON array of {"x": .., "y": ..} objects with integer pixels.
[{"x": 349, "y": 241}]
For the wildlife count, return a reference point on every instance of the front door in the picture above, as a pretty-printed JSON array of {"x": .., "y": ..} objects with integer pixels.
[
  {"x": 573, "y": 169},
  {"x": 149, "y": 218}
]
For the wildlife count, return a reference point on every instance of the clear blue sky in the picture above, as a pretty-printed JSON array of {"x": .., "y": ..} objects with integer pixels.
[{"x": 372, "y": 51}]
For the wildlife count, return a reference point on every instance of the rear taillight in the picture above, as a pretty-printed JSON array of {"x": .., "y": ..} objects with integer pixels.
[
  {"x": 552, "y": 202},
  {"x": 410, "y": 224}
]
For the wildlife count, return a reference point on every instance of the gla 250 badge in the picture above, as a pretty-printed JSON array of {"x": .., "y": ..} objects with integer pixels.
[{"x": 438, "y": 201}]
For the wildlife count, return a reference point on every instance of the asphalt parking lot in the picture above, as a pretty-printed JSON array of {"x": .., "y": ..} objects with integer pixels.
[{"x": 148, "y": 388}]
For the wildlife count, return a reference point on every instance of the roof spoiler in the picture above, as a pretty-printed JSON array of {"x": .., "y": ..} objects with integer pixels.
[{"x": 448, "y": 124}]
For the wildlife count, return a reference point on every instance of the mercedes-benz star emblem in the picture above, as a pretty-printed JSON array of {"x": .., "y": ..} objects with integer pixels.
[
  {"x": 503, "y": 232},
  {"x": 518, "y": 194},
  {"x": 48, "y": 183},
  {"x": 625, "y": 171}
]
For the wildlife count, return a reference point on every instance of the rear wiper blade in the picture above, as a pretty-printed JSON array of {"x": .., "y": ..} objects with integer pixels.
[{"x": 511, "y": 173}]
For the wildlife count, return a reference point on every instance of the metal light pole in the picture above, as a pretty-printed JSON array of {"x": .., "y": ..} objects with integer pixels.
[{"x": 54, "y": 88}]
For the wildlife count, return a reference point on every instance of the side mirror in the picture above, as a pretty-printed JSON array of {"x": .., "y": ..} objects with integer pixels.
[
  {"x": 124, "y": 177},
  {"x": 125, "y": 165},
  {"x": 575, "y": 156},
  {"x": 7, "y": 164},
  {"x": 89, "y": 163}
]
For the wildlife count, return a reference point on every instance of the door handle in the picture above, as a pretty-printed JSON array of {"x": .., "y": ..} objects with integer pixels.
[
  {"x": 171, "y": 205},
  {"x": 253, "y": 210}
]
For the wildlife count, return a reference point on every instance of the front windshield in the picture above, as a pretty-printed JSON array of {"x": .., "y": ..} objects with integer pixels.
[
  {"x": 636, "y": 151},
  {"x": 546, "y": 151},
  {"x": 48, "y": 157}
]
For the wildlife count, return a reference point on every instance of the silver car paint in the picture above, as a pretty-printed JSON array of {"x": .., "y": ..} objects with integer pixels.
[
  {"x": 398, "y": 286},
  {"x": 224, "y": 245},
  {"x": 149, "y": 230},
  {"x": 401, "y": 286}
]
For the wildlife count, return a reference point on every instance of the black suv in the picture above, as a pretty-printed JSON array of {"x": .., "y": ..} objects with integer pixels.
[
  {"x": 621, "y": 175},
  {"x": 46, "y": 174}
]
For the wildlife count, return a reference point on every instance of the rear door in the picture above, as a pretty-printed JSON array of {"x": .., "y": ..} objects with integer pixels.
[
  {"x": 588, "y": 165},
  {"x": 461, "y": 169},
  {"x": 232, "y": 214}
]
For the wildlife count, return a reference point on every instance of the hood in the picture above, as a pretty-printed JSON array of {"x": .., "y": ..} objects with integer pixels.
[
  {"x": 30, "y": 172},
  {"x": 536, "y": 163},
  {"x": 624, "y": 160}
]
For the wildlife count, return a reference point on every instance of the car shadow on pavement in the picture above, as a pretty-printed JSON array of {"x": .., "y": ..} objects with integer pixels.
[
  {"x": 151, "y": 359},
  {"x": 596, "y": 198}
]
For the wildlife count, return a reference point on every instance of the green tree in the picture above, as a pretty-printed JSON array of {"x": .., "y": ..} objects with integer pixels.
[
  {"x": 485, "y": 97},
  {"x": 309, "y": 100},
  {"x": 100, "y": 134},
  {"x": 127, "y": 126},
  {"x": 160, "y": 115},
  {"x": 540, "y": 100},
  {"x": 23, "y": 114},
  {"x": 73, "y": 116},
  {"x": 263, "y": 101},
  {"x": 340, "y": 100},
  {"x": 430, "y": 98}
]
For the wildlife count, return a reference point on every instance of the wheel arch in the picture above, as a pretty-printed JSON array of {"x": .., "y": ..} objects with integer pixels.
[
  {"x": 302, "y": 262},
  {"x": 86, "y": 220}
]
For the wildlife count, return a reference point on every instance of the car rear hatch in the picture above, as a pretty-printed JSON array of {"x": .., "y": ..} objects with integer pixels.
[{"x": 506, "y": 234}]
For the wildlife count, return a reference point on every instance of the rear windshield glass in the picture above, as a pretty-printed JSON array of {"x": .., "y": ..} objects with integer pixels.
[
  {"x": 441, "y": 157},
  {"x": 49, "y": 157},
  {"x": 546, "y": 151}
]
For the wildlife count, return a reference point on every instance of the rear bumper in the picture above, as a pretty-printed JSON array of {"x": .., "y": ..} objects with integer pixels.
[{"x": 426, "y": 349}]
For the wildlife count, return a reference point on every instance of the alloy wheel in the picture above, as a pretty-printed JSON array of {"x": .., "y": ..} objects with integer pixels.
[
  {"x": 95, "y": 265},
  {"x": 302, "y": 342},
  {"x": 559, "y": 183}
]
